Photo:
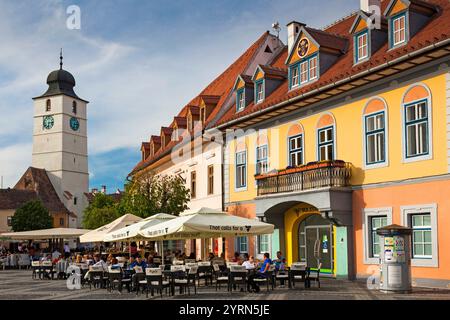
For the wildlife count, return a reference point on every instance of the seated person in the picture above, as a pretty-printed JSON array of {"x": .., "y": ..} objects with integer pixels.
[
  {"x": 140, "y": 263},
  {"x": 100, "y": 262},
  {"x": 236, "y": 258},
  {"x": 115, "y": 264},
  {"x": 261, "y": 274},
  {"x": 249, "y": 264}
]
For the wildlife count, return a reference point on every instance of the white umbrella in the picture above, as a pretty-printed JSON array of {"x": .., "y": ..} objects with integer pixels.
[
  {"x": 98, "y": 234},
  {"x": 132, "y": 231},
  {"x": 205, "y": 223},
  {"x": 54, "y": 233}
]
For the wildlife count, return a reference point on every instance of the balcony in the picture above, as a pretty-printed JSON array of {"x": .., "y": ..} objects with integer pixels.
[{"x": 314, "y": 175}]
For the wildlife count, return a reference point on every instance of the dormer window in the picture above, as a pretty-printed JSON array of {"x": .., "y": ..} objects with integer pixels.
[
  {"x": 259, "y": 91},
  {"x": 294, "y": 76},
  {"x": 398, "y": 28},
  {"x": 240, "y": 100},
  {"x": 305, "y": 71},
  {"x": 362, "y": 46}
]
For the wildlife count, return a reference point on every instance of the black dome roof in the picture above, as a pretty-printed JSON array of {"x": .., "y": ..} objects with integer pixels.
[
  {"x": 60, "y": 82},
  {"x": 61, "y": 76}
]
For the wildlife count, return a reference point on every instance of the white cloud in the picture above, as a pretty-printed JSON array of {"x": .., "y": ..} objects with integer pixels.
[
  {"x": 14, "y": 160},
  {"x": 134, "y": 85}
]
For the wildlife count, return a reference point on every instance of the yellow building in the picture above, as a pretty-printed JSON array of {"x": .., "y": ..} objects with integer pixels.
[{"x": 346, "y": 131}]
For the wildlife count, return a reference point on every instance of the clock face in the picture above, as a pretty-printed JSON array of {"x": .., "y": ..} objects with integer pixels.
[
  {"x": 303, "y": 47},
  {"x": 74, "y": 124},
  {"x": 48, "y": 122}
]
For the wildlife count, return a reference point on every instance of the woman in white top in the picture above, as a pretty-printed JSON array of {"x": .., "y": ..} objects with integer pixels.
[{"x": 249, "y": 264}]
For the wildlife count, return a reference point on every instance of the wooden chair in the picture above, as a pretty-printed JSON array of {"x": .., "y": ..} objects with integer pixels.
[
  {"x": 36, "y": 267},
  {"x": 237, "y": 277},
  {"x": 96, "y": 277},
  {"x": 268, "y": 279},
  {"x": 154, "y": 280},
  {"x": 298, "y": 273},
  {"x": 116, "y": 278},
  {"x": 314, "y": 275},
  {"x": 220, "y": 277},
  {"x": 205, "y": 271}
]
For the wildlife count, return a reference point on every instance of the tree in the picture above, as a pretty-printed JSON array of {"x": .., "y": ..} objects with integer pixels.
[
  {"x": 102, "y": 210},
  {"x": 31, "y": 216},
  {"x": 146, "y": 195}
]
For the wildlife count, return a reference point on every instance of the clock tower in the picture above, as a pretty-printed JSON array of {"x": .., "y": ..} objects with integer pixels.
[{"x": 60, "y": 140}]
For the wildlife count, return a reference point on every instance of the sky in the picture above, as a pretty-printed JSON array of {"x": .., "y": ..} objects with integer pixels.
[{"x": 137, "y": 62}]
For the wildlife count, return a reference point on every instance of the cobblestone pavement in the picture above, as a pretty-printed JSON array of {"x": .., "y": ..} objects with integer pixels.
[{"x": 18, "y": 284}]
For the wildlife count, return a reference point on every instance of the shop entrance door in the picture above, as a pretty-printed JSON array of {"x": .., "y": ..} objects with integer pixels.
[{"x": 319, "y": 247}]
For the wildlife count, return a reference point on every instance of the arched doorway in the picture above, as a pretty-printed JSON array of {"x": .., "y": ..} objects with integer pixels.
[{"x": 315, "y": 239}]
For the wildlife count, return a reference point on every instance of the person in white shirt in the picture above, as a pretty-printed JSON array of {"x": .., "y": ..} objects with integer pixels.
[
  {"x": 56, "y": 254},
  {"x": 249, "y": 263}
]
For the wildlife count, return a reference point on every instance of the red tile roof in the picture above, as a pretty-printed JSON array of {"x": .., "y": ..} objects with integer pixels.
[
  {"x": 33, "y": 185},
  {"x": 436, "y": 30},
  {"x": 221, "y": 86}
]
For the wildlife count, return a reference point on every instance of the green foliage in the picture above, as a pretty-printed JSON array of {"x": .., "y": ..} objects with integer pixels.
[
  {"x": 102, "y": 210},
  {"x": 146, "y": 195},
  {"x": 31, "y": 216}
]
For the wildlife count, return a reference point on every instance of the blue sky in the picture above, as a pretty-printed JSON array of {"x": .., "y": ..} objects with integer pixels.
[{"x": 137, "y": 62}]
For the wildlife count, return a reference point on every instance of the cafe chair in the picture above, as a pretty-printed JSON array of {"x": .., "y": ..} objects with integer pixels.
[
  {"x": 154, "y": 281},
  {"x": 237, "y": 277},
  {"x": 298, "y": 273},
  {"x": 116, "y": 279},
  {"x": 36, "y": 267},
  {"x": 269, "y": 279},
  {"x": 47, "y": 270},
  {"x": 205, "y": 271},
  {"x": 95, "y": 278},
  {"x": 220, "y": 277},
  {"x": 314, "y": 275}
]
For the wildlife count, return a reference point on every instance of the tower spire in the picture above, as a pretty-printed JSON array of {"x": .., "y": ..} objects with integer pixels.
[{"x": 61, "y": 60}]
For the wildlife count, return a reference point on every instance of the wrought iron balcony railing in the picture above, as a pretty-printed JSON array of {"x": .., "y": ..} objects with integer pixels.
[{"x": 314, "y": 175}]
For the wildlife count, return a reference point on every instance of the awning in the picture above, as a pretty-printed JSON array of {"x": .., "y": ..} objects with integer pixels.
[
  {"x": 55, "y": 233},
  {"x": 99, "y": 234},
  {"x": 205, "y": 223}
]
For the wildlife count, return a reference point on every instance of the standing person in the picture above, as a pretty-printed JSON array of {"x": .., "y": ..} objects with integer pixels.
[
  {"x": 66, "y": 250},
  {"x": 261, "y": 274}
]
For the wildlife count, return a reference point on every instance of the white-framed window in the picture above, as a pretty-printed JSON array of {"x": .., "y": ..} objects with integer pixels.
[
  {"x": 263, "y": 243},
  {"x": 362, "y": 49},
  {"x": 326, "y": 144},
  {"x": 259, "y": 91},
  {"x": 372, "y": 219},
  {"x": 399, "y": 30},
  {"x": 422, "y": 245},
  {"x": 242, "y": 244},
  {"x": 296, "y": 150},
  {"x": 375, "y": 138},
  {"x": 262, "y": 159},
  {"x": 304, "y": 72},
  {"x": 416, "y": 129},
  {"x": 240, "y": 100},
  {"x": 9, "y": 221},
  {"x": 241, "y": 169},
  {"x": 424, "y": 242},
  {"x": 294, "y": 76},
  {"x": 375, "y": 223},
  {"x": 313, "y": 68}
]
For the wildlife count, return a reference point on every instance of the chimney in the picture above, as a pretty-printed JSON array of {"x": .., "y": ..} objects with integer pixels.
[
  {"x": 293, "y": 28},
  {"x": 104, "y": 189},
  {"x": 366, "y": 4}
]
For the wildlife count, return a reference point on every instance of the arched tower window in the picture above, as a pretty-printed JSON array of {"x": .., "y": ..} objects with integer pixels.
[
  {"x": 48, "y": 105},
  {"x": 74, "y": 107}
]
